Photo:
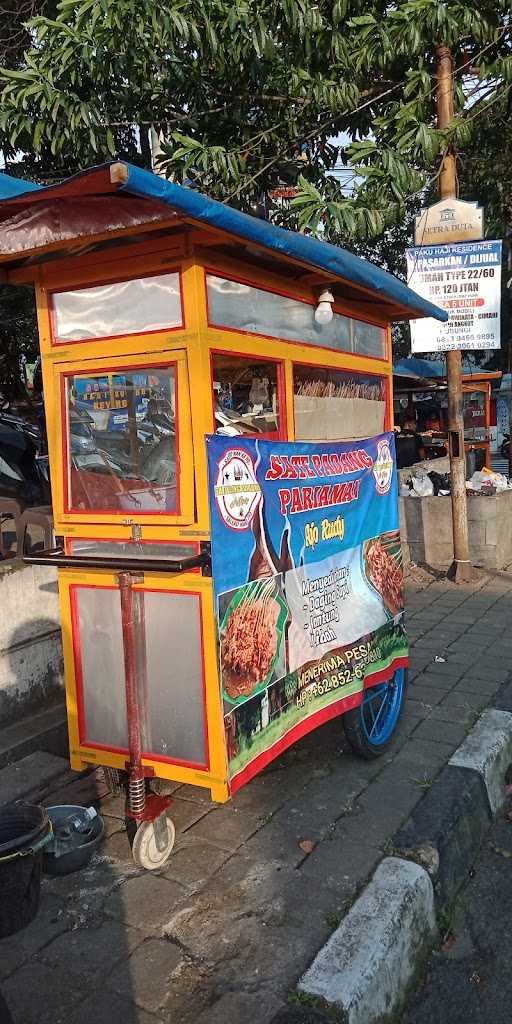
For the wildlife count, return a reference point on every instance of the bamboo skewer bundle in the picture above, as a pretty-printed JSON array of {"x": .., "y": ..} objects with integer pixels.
[
  {"x": 262, "y": 594},
  {"x": 344, "y": 389}
]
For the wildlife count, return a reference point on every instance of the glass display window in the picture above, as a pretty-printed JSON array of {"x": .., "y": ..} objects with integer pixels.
[
  {"x": 247, "y": 395},
  {"x": 243, "y": 307},
  {"x": 337, "y": 404},
  {"x": 117, "y": 308},
  {"x": 121, "y": 434},
  {"x": 368, "y": 339}
]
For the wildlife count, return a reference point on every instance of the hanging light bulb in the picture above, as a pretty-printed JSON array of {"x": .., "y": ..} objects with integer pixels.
[{"x": 323, "y": 311}]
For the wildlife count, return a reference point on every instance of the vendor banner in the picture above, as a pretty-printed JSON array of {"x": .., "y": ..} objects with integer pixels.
[{"x": 307, "y": 576}]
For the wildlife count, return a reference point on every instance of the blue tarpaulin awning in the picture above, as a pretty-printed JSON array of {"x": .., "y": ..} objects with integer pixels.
[
  {"x": 10, "y": 186},
  {"x": 436, "y": 368},
  {"x": 420, "y": 367}
]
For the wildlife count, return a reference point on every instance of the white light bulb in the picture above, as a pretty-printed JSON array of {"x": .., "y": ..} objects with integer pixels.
[{"x": 323, "y": 312}]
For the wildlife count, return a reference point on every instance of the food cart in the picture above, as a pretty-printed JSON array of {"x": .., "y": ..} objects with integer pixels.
[
  {"x": 219, "y": 405},
  {"x": 420, "y": 393}
]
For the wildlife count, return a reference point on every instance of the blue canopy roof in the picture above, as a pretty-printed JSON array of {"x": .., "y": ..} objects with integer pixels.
[
  {"x": 420, "y": 367},
  {"x": 193, "y": 206},
  {"x": 433, "y": 368},
  {"x": 10, "y": 186}
]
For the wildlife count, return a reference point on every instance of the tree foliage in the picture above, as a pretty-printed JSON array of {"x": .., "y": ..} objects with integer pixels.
[
  {"x": 18, "y": 338},
  {"x": 18, "y": 324},
  {"x": 247, "y": 95}
]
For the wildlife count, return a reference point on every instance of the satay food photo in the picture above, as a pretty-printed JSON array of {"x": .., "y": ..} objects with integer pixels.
[
  {"x": 383, "y": 569},
  {"x": 251, "y": 637}
]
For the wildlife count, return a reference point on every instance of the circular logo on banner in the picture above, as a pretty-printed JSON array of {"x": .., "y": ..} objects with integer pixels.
[
  {"x": 237, "y": 492},
  {"x": 383, "y": 467}
]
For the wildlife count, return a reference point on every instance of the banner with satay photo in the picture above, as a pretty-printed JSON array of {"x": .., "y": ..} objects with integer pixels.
[{"x": 307, "y": 576}]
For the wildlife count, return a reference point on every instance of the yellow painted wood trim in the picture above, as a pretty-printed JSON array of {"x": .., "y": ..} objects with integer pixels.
[
  {"x": 256, "y": 345},
  {"x": 80, "y": 273}
]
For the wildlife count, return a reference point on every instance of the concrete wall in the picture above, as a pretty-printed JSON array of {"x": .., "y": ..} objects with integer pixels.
[
  {"x": 426, "y": 530},
  {"x": 31, "y": 671}
]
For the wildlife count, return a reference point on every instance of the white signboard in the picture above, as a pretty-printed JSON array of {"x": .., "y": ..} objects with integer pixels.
[
  {"x": 502, "y": 417},
  {"x": 449, "y": 220},
  {"x": 464, "y": 279}
]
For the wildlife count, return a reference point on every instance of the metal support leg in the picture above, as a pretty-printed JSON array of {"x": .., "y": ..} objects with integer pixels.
[
  {"x": 154, "y": 839},
  {"x": 136, "y": 784}
]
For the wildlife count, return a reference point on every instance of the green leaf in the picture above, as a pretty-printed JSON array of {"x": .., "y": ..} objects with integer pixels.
[
  {"x": 111, "y": 146},
  {"x": 38, "y": 134}
]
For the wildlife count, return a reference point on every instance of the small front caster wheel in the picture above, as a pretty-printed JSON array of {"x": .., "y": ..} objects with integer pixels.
[{"x": 153, "y": 843}]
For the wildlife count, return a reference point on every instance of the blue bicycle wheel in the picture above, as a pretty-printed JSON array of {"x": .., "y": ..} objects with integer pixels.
[{"x": 370, "y": 727}]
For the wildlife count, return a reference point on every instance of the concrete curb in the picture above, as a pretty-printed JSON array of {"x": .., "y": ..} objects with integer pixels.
[
  {"x": 446, "y": 829},
  {"x": 370, "y": 959},
  {"x": 369, "y": 962},
  {"x": 488, "y": 750},
  {"x": 29, "y": 778}
]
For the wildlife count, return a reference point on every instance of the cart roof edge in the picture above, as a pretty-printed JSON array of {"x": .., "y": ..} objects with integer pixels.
[{"x": 156, "y": 196}]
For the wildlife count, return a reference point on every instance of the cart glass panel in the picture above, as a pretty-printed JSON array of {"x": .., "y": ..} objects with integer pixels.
[
  {"x": 246, "y": 395},
  {"x": 337, "y": 404},
  {"x": 258, "y": 311},
  {"x": 122, "y": 440},
  {"x": 169, "y": 672},
  {"x": 117, "y": 308}
]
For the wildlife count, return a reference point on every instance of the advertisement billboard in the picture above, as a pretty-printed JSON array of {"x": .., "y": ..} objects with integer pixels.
[{"x": 464, "y": 279}]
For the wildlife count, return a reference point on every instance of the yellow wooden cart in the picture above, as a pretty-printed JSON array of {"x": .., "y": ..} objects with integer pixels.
[{"x": 163, "y": 317}]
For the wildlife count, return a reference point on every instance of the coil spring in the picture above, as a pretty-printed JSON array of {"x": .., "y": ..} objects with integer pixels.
[{"x": 137, "y": 795}]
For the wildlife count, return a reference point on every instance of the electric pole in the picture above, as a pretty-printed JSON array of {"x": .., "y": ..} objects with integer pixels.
[{"x": 460, "y": 570}]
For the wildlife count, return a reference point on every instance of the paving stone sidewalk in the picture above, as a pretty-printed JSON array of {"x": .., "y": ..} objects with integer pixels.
[{"x": 242, "y": 908}]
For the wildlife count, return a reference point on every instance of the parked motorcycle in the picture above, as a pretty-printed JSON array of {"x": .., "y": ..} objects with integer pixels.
[
  {"x": 23, "y": 473},
  {"x": 505, "y": 446},
  {"x": 109, "y": 451}
]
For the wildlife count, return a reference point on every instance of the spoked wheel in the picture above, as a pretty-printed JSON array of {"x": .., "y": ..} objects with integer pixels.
[
  {"x": 370, "y": 727},
  {"x": 153, "y": 843}
]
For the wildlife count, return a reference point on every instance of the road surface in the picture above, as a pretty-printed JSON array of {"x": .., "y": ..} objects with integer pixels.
[{"x": 469, "y": 980}]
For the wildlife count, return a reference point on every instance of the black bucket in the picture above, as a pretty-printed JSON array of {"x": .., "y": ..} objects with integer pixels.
[{"x": 25, "y": 830}]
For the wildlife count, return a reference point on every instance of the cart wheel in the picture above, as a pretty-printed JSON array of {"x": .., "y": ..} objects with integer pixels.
[
  {"x": 153, "y": 842},
  {"x": 370, "y": 727}
]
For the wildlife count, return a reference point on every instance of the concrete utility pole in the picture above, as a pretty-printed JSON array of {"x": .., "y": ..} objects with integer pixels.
[{"x": 461, "y": 568}]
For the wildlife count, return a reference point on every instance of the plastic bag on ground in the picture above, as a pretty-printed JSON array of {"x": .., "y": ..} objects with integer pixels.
[
  {"x": 440, "y": 481},
  {"x": 422, "y": 485},
  {"x": 485, "y": 480}
]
